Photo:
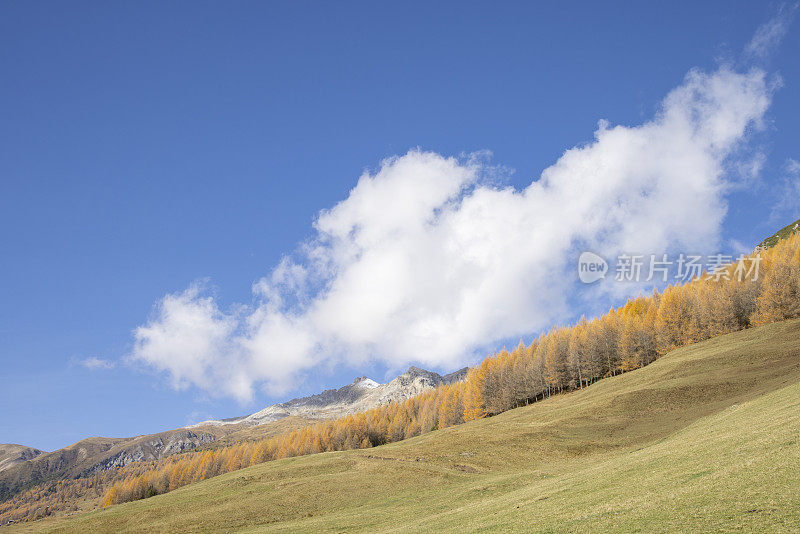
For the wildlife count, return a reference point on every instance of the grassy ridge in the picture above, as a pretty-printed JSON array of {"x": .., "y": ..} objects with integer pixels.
[
  {"x": 783, "y": 233},
  {"x": 706, "y": 438}
]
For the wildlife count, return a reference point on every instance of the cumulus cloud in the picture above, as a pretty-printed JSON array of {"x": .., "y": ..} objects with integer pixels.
[
  {"x": 428, "y": 260},
  {"x": 96, "y": 364}
]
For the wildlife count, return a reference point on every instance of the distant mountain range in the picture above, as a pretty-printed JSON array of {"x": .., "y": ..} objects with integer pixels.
[
  {"x": 361, "y": 395},
  {"x": 22, "y": 467}
]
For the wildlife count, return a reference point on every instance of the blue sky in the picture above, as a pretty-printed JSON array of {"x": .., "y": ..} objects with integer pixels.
[{"x": 146, "y": 146}]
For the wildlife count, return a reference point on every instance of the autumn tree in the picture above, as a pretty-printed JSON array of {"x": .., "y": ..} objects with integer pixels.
[{"x": 780, "y": 293}]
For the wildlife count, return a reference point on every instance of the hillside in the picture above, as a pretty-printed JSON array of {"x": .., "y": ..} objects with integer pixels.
[
  {"x": 98, "y": 453},
  {"x": 783, "y": 233},
  {"x": 23, "y": 467},
  {"x": 703, "y": 439},
  {"x": 12, "y": 454}
]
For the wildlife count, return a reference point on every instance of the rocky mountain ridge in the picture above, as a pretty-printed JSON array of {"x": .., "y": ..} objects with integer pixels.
[{"x": 360, "y": 395}]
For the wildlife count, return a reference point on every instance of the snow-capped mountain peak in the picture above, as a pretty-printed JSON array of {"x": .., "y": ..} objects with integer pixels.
[{"x": 366, "y": 383}]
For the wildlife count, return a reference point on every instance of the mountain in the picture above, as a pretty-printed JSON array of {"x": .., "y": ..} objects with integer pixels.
[
  {"x": 783, "y": 233},
  {"x": 90, "y": 455},
  {"x": 11, "y": 455},
  {"x": 362, "y": 394},
  {"x": 705, "y": 439},
  {"x": 22, "y": 467}
]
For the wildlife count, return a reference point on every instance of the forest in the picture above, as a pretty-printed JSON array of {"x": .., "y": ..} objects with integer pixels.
[{"x": 563, "y": 359}]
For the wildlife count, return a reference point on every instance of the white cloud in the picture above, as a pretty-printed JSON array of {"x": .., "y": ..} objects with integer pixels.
[
  {"x": 96, "y": 364},
  {"x": 428, "y": 260},
  {"x": 190, "y": 339}
]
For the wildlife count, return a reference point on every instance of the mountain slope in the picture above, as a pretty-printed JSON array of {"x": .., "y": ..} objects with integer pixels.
[
  {"x": 97, "y": 453},
  {"x": 23, "y": 467},
  {"x": 11, "y": 454},
  {"x": 783, "y": 233},
  {"x": 703, "y": 439}
]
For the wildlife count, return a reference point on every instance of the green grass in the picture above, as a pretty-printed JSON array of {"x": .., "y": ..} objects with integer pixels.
[{"x": 705, "y": 439}]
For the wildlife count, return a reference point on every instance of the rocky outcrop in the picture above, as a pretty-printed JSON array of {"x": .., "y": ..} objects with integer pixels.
[{"x": 155, "y": 447}]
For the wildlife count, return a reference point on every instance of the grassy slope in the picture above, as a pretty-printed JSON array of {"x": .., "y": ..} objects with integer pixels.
[
  {"x": 783, "y": 233},
  {"x": 704, "y": 439}
]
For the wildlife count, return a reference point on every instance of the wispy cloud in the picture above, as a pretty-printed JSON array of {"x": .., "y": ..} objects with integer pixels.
[
  {"x": 769, "y": 35},
  {"x": 95, "y": 364},
  {"x": 429, "y": 260},
  {"x": 787, "y": 204}
]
